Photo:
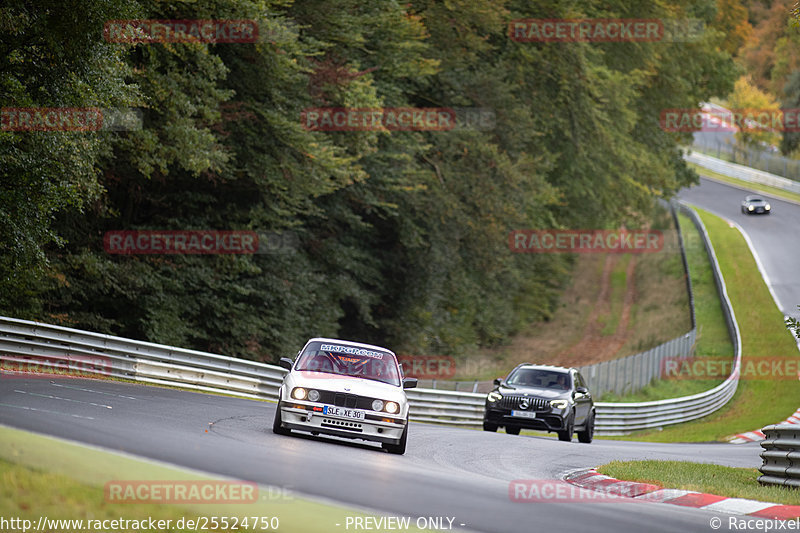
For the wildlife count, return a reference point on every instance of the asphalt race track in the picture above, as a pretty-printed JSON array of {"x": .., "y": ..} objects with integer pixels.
[
  {"x": 453, "y": 472},
  {"x": 776, "y": 237},
  {"x": 446, "y": 471}
]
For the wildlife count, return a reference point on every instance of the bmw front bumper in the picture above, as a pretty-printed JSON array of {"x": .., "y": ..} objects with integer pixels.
[{"x": 376, "y": 427}]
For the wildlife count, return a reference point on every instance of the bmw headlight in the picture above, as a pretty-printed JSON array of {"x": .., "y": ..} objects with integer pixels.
[
  {"x": 377, "y": 405},
  {"x": 749, "y": 207},
  {"x": 313, "y": 395},
  {"x": 391, "y": 407},
  {"x": 299, "y": 393},
  {"x": 767, "y": 207},
  {"x": 494, "y": 396},
  {"x": 559, "y": 404}
]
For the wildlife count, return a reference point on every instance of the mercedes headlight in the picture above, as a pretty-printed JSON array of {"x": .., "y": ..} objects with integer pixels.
[
  {"x": 299, "y": 393},
  {"x": 767, "y": 207},
  {"x": 494, "y": 396},
  {"x": 749, "y": 207},
  {"x": 392, "y": 408},
  {"x": 559, "y": 404}
]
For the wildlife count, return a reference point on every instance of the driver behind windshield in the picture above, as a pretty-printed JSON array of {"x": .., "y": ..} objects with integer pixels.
[{"x": 349, "y": 361}]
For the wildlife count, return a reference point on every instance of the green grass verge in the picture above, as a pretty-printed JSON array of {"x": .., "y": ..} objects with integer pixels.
[
  {"x": 43, "y": 476},
  {"x": 774, "y": 191},
  {"x": 712, "y": 337},
  {"x": 757, "y": 403},
  {"x": 707, "y": 478}
]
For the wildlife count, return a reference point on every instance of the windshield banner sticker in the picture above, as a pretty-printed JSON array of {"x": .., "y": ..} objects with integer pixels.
[{"x": 351, "y": 350}]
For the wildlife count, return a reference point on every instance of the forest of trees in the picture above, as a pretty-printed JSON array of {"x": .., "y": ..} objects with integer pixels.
[{"x": 401, "y": 236}]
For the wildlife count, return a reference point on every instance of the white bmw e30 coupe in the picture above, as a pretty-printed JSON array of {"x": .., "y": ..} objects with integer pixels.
[{"x": 346, "y": 389}]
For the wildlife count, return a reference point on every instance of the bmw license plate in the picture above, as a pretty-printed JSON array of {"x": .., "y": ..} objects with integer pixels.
[
  {"x": 523, "y": 414},
  {"x": 344, "y": 413}
]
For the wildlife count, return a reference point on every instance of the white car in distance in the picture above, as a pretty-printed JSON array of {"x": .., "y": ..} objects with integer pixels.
[{"x": 346, "y": 389}]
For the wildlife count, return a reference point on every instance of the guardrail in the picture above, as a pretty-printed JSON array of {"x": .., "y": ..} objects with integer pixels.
[
  {"x": 742, "y": 172},
  {"x": 24, "y": 343},
  {"x": 622, "y": 376},
  {"x": 34, "y": 345},
  {"x": 781, "y": 456},
  {"x": 622, "y": 418},
  {"x": 711, "y": 144},
  {"x": 629, "y": 374},
  {"x": 719, "y": 281},
  {"x": 446, "y": 407}
]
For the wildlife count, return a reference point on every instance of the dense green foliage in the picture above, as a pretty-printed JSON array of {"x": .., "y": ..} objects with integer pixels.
[{"x": 402, "y": 235}]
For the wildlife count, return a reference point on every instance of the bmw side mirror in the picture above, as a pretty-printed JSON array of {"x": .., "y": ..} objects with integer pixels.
[
  {"x": 285, "y": 362},
  {"x": 409, "y": 383},
  {"x": 581, "y": 390}
]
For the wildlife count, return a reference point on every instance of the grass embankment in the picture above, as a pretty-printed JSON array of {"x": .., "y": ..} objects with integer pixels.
[
  {"x": 757, "y": 402},
  {"x": 614, "y": 305},
  {"x": 46, "y": 477},
  {"x": 713, "y": 339},
  {"x": 660, "y": 310},
  {"x": 707, "y": 478}
]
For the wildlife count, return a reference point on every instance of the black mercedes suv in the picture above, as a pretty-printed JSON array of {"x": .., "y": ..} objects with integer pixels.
[{"x": 541, "y": 397}]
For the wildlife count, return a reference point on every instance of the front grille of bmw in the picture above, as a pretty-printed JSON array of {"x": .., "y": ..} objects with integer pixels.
[
  {"x": 537, "y": 404},
  {"x": 341, "y": 399}
]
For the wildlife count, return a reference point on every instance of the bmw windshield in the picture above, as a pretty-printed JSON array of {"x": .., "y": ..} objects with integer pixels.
[{"x": 342, "y": 359}]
